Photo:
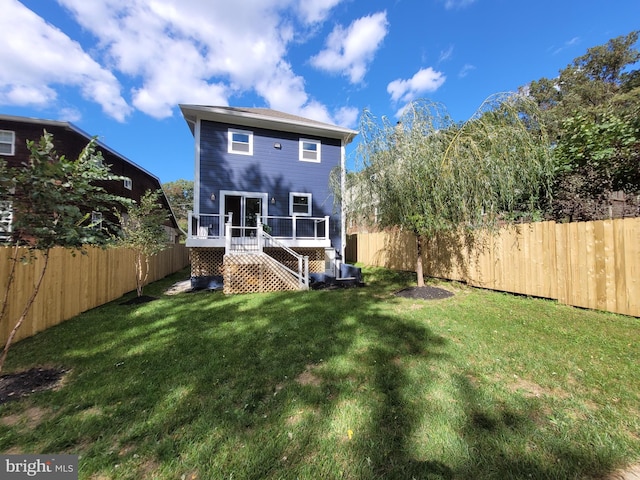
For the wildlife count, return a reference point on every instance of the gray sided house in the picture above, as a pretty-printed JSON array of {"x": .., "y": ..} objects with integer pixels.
[{"x": 265, "y": 217}]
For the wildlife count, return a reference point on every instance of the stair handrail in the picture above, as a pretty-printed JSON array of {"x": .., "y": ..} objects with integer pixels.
[{"x": 303, "y": 260}]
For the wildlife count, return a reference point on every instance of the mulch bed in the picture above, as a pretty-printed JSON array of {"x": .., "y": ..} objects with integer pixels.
[
  {"x": 20, "y": 384},
  {"x": 424, "y": 293}
]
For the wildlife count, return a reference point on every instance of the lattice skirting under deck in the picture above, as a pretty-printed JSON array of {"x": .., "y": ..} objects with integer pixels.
[
  {"x": 206, "y": 262},
  {"x": 242, "y": 273},
  {"x": 253, "y": 273},
  {"x": 316, "y": 258}
]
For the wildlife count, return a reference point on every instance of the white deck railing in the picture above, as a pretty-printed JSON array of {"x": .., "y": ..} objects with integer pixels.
[
  {"x": 254, "y": 239},
  {"x": 205, "y": 226}
]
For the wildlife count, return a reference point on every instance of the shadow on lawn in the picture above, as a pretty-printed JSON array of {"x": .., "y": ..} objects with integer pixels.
[{"x": 207, "y": 385}]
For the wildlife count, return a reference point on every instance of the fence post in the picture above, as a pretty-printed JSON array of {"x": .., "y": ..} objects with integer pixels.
[
  {"x": 227, "y": 236},
  {"x": 259, "y": 234},
  {"x": 294, "y": 222}
]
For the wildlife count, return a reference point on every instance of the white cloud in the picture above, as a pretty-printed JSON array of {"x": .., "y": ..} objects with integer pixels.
[
  {"x": 69, "y": 115},
  {"x": 454, "y": 4},
  {"x": 349, "y": 51},
  {"x": 347, "y": 116},
  {"x": 313, "y": 11},
  {"x": 167, "y": 52},
  {"x": 426, "y": 80},
  {"x": 36, "y": 56},
  {"x": 466, "y": 69},
  {"x": 187, "y": 51},
  {"x": 568, "y": 44},
  {"x": 446, "y": 54}
]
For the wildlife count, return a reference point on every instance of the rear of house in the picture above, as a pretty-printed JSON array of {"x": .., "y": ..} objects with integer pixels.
[{"x": 264, "y": 209}]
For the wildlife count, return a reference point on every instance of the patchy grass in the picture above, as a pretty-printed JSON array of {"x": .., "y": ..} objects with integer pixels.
[{"x": 355, "y": 384}]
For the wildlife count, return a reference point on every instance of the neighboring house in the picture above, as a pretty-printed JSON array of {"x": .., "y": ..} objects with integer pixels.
[
  {"x": 69, "y": 140},
  {"x": 262, "y": 198}
]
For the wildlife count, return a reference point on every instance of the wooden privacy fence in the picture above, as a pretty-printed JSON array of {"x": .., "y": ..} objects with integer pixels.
[
  {"x": 74, "y": 284},
  {"x": 588, "y": 264}
]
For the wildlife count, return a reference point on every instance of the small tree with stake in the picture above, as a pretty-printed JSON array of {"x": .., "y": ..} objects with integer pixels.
[
  {"x": 142, "y": 230},
  {"x": 51, "y": 199}
]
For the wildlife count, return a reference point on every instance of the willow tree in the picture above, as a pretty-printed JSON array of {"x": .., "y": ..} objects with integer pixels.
[{"x": 428, "y": 174}]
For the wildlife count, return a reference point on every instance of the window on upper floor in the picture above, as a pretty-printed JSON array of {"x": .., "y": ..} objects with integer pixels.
[
  {"x": 299, "y": 203},
  {"x": 7, "y": 142},
  {"x": 240, "y": 141},
  {"x": 309, "y": 150},
  {"x": 128, "y": 183}
]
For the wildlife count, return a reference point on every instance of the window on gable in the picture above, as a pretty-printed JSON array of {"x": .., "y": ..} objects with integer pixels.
[
  {"x": 7, "y": 142},
  {"x": 299, "y": 203},
  {"x": 240, "y": 141},
  {"x": 128, "y": 183},
  {"x": 309, "y": 150}
]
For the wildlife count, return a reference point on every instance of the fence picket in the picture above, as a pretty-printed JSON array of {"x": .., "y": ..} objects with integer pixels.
[
  {"x": 74, "y": 284},
  {"x": 588, "y": 264}
]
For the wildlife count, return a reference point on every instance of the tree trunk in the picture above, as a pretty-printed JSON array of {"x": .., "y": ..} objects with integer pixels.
[
  {"x": 25, "y": 312},
  {"x": 419, "y": 270},
  {"x": 142, "y": 271},
  {"x": 12, "y": 272},
  {"x": 139, "y": 273}
]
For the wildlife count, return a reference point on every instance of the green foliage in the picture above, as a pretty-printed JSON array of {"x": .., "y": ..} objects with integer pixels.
[
  {"x": 142, "y": 230},
  {"x": 142, "y": 227},
  {"x": 52, "y": 197},
  {"x": 428, "y": 174},
  {"x": 180, "y": 196},
  {"x": 592, "y": 111}
]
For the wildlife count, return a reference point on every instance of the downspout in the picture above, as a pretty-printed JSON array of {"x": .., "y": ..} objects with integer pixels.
[{"x": 343, "y": 223}]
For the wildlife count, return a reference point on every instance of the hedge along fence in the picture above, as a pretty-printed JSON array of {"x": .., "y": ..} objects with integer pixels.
[
  {"x": 588, "y": 264},
  {"x": 74, "y": 284}
]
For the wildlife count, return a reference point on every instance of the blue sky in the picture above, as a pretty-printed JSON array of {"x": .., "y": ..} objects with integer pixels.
[{"x": 118, "y": 69}]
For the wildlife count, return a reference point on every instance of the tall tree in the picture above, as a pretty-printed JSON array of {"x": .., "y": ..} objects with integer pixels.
[
  {"x": 592, "y": 109},
  {"x": 54, "y": 202},
  {"x": 180, "y": 196},
  {"x": 427, "y": 174},
  {"x": 590, "y": 82},
  {"x": 142, "y": 230}
]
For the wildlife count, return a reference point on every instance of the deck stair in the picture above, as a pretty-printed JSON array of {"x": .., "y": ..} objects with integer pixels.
[
  {"x": 256, "y": 272},
  {"x": 247, "y": 269}
]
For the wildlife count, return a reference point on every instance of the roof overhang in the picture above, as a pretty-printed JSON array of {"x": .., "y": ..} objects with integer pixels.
[{"x": 270, "y": 120}]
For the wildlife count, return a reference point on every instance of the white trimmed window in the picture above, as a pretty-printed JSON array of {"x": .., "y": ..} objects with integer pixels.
[
  {"x": 128, "y": 183},
  {"x": 7, "y": 142},
  {"x": 96, "y": 220},
  {"x": 6, "y": 218},
  {"x": 299, "y": 203},
  {"x": 310, "y": 150},
  {"x": 240, "y": 141}
]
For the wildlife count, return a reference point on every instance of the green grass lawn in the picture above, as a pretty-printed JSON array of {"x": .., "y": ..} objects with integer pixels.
[{"x": 353, "y": 384}]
